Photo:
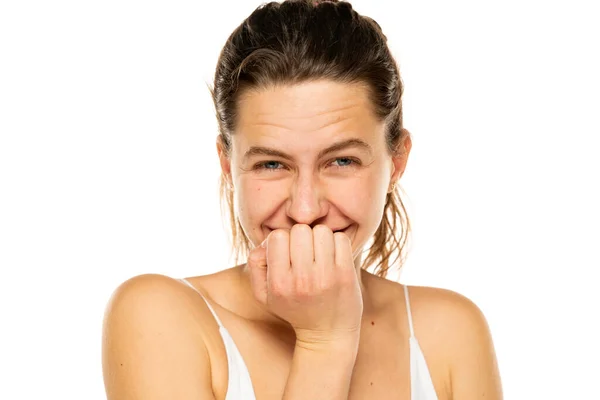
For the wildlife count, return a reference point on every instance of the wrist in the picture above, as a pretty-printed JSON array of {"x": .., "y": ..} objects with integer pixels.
[{"x": 329, "y": 343}]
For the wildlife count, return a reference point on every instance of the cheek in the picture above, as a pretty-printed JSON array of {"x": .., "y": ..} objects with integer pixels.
[
  {"x": 362, "y": 199},
  {"x": 367, "y": 202},
  {"x": 252, "y": 201}
]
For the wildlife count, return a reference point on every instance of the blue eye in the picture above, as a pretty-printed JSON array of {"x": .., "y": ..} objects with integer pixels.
[
  {"x": 345, "y": 161},
  {"x": 340, "y": 162},
  {"x": 271, "y": 165}
]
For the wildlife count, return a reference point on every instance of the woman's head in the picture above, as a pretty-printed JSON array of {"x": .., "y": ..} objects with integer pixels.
[{"x": 308, "y": 100}]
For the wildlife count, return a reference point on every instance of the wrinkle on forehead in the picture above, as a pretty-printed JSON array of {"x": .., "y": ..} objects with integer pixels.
[
  {"x": 308, "y": 106},
  {"x": 330, "y": 120}
]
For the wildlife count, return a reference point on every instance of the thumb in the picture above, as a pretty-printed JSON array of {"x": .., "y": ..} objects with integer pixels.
[{"x": 257, "y": 266}]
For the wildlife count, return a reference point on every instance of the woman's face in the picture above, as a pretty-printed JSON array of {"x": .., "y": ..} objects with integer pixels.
[{"x": 312, "y": 153}]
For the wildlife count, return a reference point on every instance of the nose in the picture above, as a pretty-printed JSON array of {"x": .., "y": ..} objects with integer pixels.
[{"x": 306, "y": 203}]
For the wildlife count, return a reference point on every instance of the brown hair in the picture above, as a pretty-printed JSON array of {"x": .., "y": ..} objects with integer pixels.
[{"x": 302, "y": 40}]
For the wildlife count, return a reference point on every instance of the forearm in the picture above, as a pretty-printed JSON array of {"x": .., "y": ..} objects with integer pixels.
[{"x": 321, "y": 372}]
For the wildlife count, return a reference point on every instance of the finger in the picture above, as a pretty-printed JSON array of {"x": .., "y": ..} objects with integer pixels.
[
  {"x": 278, "y": 261},
  {"x": 343, "y": 251},
  {"x": 324, "y": 246},
  {"x": 301, "y": 248},
  {"x": 257, "y": 266}
]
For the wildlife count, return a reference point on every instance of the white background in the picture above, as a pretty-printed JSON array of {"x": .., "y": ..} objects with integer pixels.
[{"x": 108, "y": 169}]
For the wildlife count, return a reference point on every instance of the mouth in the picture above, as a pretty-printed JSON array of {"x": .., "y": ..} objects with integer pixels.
[
  {"x": 348, "y": 230},
  {"x": 345, "y": 230},
  {"x": 342, "y": 230}
]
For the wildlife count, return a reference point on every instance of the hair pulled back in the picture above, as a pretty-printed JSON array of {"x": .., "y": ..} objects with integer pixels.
[{"x": 298, "y": 41}]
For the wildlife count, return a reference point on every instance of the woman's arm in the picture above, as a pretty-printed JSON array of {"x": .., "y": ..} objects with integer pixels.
[
  {"x": 322, "y": 371},
  {"x": 152, "y": 344},
  {"x": 473, "y": 364}
]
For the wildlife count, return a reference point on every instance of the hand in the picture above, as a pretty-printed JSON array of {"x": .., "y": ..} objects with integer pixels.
[{"x": 307, "y": 277}]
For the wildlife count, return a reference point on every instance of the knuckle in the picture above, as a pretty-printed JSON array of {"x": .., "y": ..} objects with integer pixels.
[
  {"x": 322, "y": 230},
  {"x": 304, "y": 288},
  {"x": 341, "y": 240},
  {"x": 300, "y": 229},
  {"x": 347, "y": 277},
  {"x": 278, "y": 289},
  {"x": 280, "y": 234},
  {"x": 341, "y": 236},
  {"x": 331, "y": 282}
]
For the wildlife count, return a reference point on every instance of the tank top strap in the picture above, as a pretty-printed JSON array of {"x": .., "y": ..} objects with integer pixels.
[
  {"x": 206, "y": 301},
  {"x": 410, "y": 322}
]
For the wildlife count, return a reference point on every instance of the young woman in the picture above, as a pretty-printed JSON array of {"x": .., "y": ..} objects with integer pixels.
[{"x": 311, "y": 146}]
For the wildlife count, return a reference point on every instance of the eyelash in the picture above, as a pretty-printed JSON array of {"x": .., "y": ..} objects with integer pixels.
[{"x": 261, "y": 165}]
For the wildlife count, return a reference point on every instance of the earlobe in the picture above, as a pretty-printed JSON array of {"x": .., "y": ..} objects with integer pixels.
[
  {"x": 398, "y": 166},
  {"x": 400, "y": 159},
  {"x": 407, "y": 141}
]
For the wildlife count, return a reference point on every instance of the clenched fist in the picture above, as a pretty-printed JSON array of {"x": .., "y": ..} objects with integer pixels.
[{"x": 307, "y": 277}]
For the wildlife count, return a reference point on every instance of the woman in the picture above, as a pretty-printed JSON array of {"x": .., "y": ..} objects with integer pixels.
[{"x": 311, "y": 145}]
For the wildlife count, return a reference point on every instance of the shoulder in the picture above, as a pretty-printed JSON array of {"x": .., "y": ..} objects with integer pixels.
[
  {"x": 152, "y": 341},
  {"x": 165, "y": 296},
  {"x": 444, "y": 304},
  {"x": 458, "y": 330},
  {"x": 445, "y": 311}
]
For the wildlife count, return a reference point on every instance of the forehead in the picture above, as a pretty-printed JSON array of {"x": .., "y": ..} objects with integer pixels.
[{"x": 319, "y": 107}]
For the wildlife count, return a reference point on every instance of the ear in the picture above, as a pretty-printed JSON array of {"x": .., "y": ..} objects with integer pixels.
[
  {"x": 224, "y": 160},
  {"x": 400, "y": 159}
]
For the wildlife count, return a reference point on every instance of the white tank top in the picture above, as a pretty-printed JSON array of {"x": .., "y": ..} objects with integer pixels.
[{"x": 240, "y": 385}]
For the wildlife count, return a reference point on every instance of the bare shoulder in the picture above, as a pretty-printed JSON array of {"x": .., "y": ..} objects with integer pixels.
[
  {"x": 443, "y": 305},
  {"x": 153, "y": 343},
  {"x": 457, "y": 329}
]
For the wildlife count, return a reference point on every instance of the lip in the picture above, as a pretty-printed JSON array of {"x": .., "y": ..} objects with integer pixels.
[
  {"x": 344, "y": 229},
  {"x": 349, "y": 230},
  {"x": 341, "y": 229}
]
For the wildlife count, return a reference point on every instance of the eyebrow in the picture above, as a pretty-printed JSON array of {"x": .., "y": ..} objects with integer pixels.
[{"x": 267, "y": 151}]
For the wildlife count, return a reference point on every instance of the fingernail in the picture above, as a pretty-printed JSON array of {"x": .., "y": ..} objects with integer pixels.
[{"x": 264, "y": 243}]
